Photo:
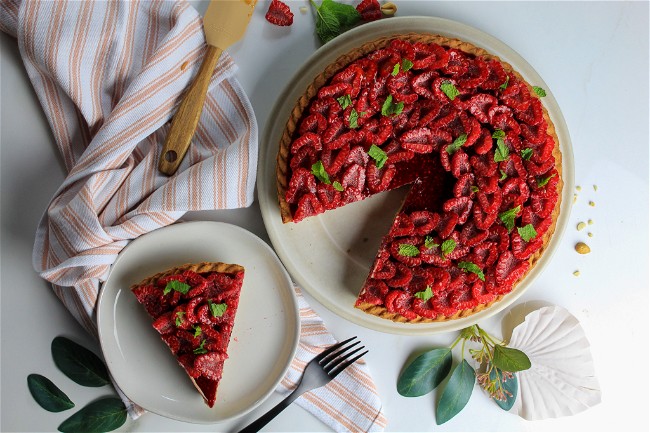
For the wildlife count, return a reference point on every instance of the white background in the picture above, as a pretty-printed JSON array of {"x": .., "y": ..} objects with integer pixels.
[{"x": 594, "y": 58}]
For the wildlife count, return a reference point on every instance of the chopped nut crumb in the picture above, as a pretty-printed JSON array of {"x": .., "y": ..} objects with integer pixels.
[
  {"x": 575, "y": 197},
  {"x": 303, "y": 9},
  {"x": 576, "y": 273},
  {"x": 592, "y": 204},
  {"x": 590, "y": 234},
  {"x": 590, "y": 221},
  {"x": 582, "y": 248},
  {"x": 578, "y": 188},
  {"x": 184, "y": 65},
  {"x": 595, "y": 187},
  {"x": 389, "y": 9},
  {"x": 581, "y": 225}
]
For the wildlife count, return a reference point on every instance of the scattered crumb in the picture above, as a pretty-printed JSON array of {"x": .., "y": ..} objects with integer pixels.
[
  {"x": 590, "y": 221},
  {"x": 578, "y": 188},
  {"x": 582, "y": 248},
  {"x": 303, "y": 9},
  {"x": 575, "y": 197},
  {"x": 389, "y": 9},
  {"x": 184, "y": 65},
  {"x": 592, "y": 204},
  {"x": 576, "y": 273},
  {"x": 590, "y": 234},
  {"x": 595, "y": 187},
  {"x": 581, "y": 225}
]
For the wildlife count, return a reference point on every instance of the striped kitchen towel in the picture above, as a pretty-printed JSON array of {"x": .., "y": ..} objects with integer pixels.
[{"x": 109, "y": 76}]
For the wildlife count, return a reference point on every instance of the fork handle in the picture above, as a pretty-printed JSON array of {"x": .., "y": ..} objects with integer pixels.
[{"x": 257, "y": 425}]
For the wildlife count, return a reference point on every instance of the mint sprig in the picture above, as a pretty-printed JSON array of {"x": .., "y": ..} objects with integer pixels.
[
  {"x": 406, "y": 64},
  {"x": 408, "y": 250},
  {"x": 449, "y": 89},
  {"x": 177, "y": 286},
  {"x": 318, "y": 170},
  {"x": 217, "y": 310},
  {"x": 447, "y": 247},
  {"x": 425, "y": 295},
  {"x": 473, "y": 268},
  {"x": 429, "y": 243},
  {"x": 376, "y": 153},
  {"x": 390, "y": 109},
  {"x": 539, "y": 91},
  {"x": 457, "y": 144},
  {"x": 333, "y": 18},
  {"x": 344, "y": 101},
  {"x": 526, "y": 154},
  {"x": 527, "y": 232},
  {"x": 508, "y": 217}
]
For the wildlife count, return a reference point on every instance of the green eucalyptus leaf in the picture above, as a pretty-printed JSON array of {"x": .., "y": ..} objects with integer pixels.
[
  {"x": 47, "y": 394},
  {"x": 103, "y": 415},
  {"x": 78, "y": 363},
  {"x": 510, "y": 385},
  {"x": 456, "y": 393},
  {"x": 425, "y": 373},
  {"x": 509, "y": 359}
]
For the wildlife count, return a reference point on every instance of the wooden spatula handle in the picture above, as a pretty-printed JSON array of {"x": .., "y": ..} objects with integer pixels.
[{"x": 188, "y": 114}]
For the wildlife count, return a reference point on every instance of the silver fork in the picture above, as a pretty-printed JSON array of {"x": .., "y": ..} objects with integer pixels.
[{"x": 320, "y": 370}]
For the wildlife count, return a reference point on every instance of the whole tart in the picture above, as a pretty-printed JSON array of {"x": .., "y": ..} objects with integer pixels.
[
  {"x": 193, "y": 307},
  {"x": 471, "y": 139}
]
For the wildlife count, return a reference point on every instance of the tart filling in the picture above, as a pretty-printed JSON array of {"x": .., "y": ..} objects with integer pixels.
[
  {"x": 193, "y": 308},
  {"x": 469, "y": 135}
]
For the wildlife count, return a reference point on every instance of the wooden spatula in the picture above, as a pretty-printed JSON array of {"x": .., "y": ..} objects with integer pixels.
[{"x": 224, "y": 24}]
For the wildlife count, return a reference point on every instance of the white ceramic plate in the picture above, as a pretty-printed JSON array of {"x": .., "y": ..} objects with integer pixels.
[
  {"x": 264, "y": 338},
  {"x": 330, "y": 254}
]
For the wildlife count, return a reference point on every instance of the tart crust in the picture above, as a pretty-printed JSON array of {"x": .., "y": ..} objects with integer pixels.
[{"x": 282, "y": 170}]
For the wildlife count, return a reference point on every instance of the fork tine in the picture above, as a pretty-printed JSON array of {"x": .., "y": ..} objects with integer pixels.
[
  {"x": 342, "y": 366},
  {"x": 339, "y": 353},
  {"x": 333, "y": 363},
  {"x": 331, "y": 349}
]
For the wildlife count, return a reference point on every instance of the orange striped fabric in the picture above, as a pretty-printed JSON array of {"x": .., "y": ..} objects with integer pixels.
[{"x": 109, "y": 76}]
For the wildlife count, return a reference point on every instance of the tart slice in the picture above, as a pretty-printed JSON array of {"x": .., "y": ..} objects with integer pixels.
[{"x": 193, "y": 307}]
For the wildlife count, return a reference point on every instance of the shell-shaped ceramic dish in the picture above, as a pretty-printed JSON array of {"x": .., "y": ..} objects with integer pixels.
[{"x": 561, "y": 380}]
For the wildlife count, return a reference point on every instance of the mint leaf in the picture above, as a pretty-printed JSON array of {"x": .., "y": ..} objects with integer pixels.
[
  {"x": 429, "y": 243},
  {"x": 337, "y": 185},
  {"x": 176, "y": 285},
  {"x": 201, "y": 350},
  {"x": 354, "y": 118},
  {"x": 527, "y": 232},
  {"x": 425, "y": 295},
  {"x": 395, "y": 69},
  {"x": 539, "y": 91},
  {"x": 406, "y": 64},
  {"x": 542, "y": 182},
  {"x": 389, "y": 108},
  {"x": 474, "y": 188},
  {"x": 344, "y": 101},
  {"x": 498, "y": 133},
  {"x": 447, "y": 247},
  {"x": 179, "y": 318},
  {"x": 504, "y": 86},
  {"x": 508, "y": 217},
  {"x": 473, "y": 268},
  {"x": 408, "y": 250},
  {"x": 334, "y": 18},
  {"x": 318, "y": 170},
  {"x": 504, "y": 175},
  {"x": 501, "y": 153},
  {"x": 526, "y": 153},
  {"x": 457, "y": 144},
  {"x": 197, "y": 330},
  {"x": 449, "y": 89},
  {"x": 376, "y": 153},
  {"x": 217, "y": 310}
]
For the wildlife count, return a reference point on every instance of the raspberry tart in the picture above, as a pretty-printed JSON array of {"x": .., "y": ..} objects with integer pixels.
[
  {"x": 473, "y": 142},
  {"x": 193, "y": 308}
]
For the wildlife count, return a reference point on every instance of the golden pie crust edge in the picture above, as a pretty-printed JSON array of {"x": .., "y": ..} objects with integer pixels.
[
  {"x": 365, "y": 49},
  {"x": 202, "y": 267}
]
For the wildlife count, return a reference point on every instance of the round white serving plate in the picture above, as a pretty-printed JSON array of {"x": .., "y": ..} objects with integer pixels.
[
  {"x": 330, "y": 254},
  {"x": 264, "y": 338}
]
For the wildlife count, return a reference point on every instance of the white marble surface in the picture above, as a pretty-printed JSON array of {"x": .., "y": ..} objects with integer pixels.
[{"x": 594, "y": 58}]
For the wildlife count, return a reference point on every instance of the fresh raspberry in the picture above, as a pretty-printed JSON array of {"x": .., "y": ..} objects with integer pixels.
[
  {"x": 369, "y": 10},
  {"x": 490, "y": 201},
  {"x": 402, "y": 226},
  {"x": 190, "y": 309},
  {"x": 513, "y": 167},
  {"x": 471, "y": 235},
  {"x": 357, "y": 155},
  {"x": 377, "y": 132},
  {"x": 462, "y": 299},
  {"x": 354, "y": 177},
  {"x": 421, "y": 279},
  {"x": 461, "y": 206},
  {"x": 480, "y": 104},
  {"x": 279, "y": 14},
  {"x": 480, "y": 293},
  {"x": 407, "y": 260},
  {"x": 485, "y": 254},
  {"x": 481, "y": 218},
  {"x": 509, "y": 269},
  {"x": 463, "y": 186},
  {"x": 541, "y": 225},
  {"x": 443, "y": 306},
  {"x": 353, "y": 76},
  {"x": 404, "y": 48},
  {"x": 424, "y": 308},
  {"x": 460, "y": 164},
  {"x": 424, "y": 221},
  {"x": 398, "y": 301},
  {"x": 477, "y": 73},
  {"x": 514, "y": 193},
  {"x": 483, "y": 143},
  {"x": 335, "y": 90},
  {"x": 373, "y": 292},
  {"x": 305, "y": 157},
  {"x": 458, "y": 64},
  {"x": 429, "y": 56},
  {"x": 402, "y": 276},
  {"x": 422, "y": 83},
  {"x": 448, "y": 221},
  {"x": 543, "y": 204},
  {"x": 328, "y": 196},
  {"x": 532, "y": 115},
  {"x": 352, "y": 194},
  {"x": 433, "y": 256},
  {"x": 460, "y": 250},
  {"x": 211, "y": 364},
  {"x": 302, "y": 181},
  {"x": 309, "y": 205},
  {"x": 499, "y": 234},
  {"x": 385, "y": 272},
  {"x": 173, "y": 342},
  {"x": 536, "y": 134},
  {"x": 379, "y": 179},
  {"x": 328, "y": 108},
  {"x": 333, "y": 159},
  {"x": 386, "y": 59},
  {"x": 369, "y": 69},
  {"x": 521, "y": 249},
  {"x": 315, "y": 122},
  {"x": 165, "y": 324},
  {"x": 496, "y": 75},
  {"x": 539, "y": 169},
  {"x": 484, "y": 165},
  {"x": 429, "y": 110}
]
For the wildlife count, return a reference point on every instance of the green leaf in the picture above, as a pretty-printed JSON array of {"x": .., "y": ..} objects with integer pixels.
[
  {"x": 504, "y": 86},
  {"x": 201, "y": 350},
  {"x": 527, "y": 232},
  {"x": 395, "y": 69},
  {"x": 318, "y": 170},
  {"x": 344, "y": 101},
  {"x": 457, "y": 144},
  {"x": 504, "y": 175},
  {"x": 501, "y": 153},
  {"x": 527, "y": 153},
  {"x": 539, "y": 91},
  {"x": 448, "y": 246},
  {"x": 333, "y": 18},
  {"x": 47, "y": 394},
  {"x": 508, "y": 217},
  {"x": 473, "y": 268},
  {"x": 380, "y": 157},
  {"x": 390, "y": 109},
  {"x": 354, "y": 119},
  {"x": 408, "y": 250},
  {"x": 176, "y": 285},
  {"x": 179, "y": 318},
  {"x": 456, "y": 393},
  {"x": 217, "y": 310},
  {"x": 78, "y": 363},
  {"x": 337, "y": 185},
  {"x": 425, "y": 373},
  {"x": 542, "y": 182},
  {"x": 509, "y": 359},
  {"x": 498, "y": 133},
  {"x": 449, "y": 89},
  {"x": 103, "y": 415},
  {"x": 429, "y": 243},
  {"x": 406, "y": 65},
  {"x": 197, "y": 331},
  {"x": 510, "y": 385},
  {"x": 425, "y": 295}
]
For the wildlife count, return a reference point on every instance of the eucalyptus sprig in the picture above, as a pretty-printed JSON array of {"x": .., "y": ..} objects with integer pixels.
[{"x": 495, "y": 368}]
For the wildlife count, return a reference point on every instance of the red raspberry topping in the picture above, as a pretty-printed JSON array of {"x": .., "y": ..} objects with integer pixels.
[
  {"x": 279, "y": 14},
  {"x": 369, "y": 10}
]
